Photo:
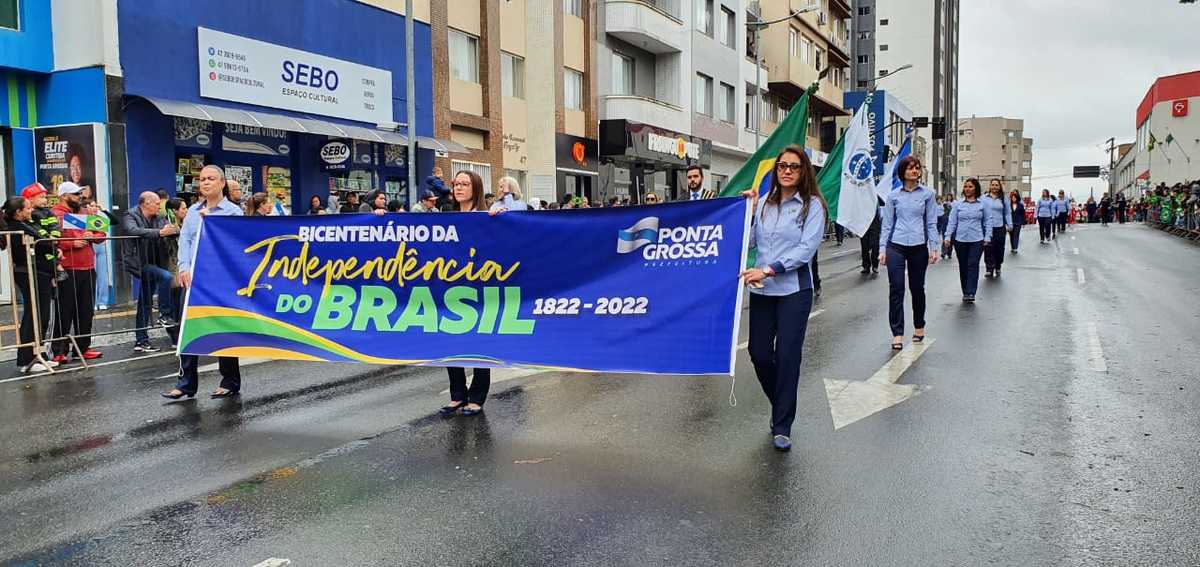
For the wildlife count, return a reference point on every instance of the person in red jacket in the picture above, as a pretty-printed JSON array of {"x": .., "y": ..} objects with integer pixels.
[{"x": 76, "y": 292}]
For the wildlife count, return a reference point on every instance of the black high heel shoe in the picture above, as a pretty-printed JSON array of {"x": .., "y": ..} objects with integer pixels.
[
  {"x": 447, "y": 411},
  {"x": 171, "y": 396},
  {"x": 225, "y": 394}
]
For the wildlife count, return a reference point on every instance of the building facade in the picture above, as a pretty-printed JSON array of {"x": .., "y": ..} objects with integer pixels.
[
  {"x": 518, "y": 88},
  {"x": 995, "y": 148},
  {"x": 1167, "y": 147},
  {"x": 888, "y": 34}
]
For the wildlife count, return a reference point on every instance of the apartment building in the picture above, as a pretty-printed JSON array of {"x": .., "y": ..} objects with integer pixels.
[
  {"x": 995, "y": 148},
  {"x": 514, "y": 85},
  {"x": 889, "y": 34}
]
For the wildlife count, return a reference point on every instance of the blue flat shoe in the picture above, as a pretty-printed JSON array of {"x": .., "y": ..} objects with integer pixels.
[
  {"x": 447, "y": 411},
  {"x": 782, "y": 443},
  {"x": 469, "y": 412}
]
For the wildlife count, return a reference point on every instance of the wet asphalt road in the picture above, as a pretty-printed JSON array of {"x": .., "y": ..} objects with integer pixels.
[{"x": 1059, "y": 424}]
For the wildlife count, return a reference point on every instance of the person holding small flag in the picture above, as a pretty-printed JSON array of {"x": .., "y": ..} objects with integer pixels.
[{"x": 77, "y": 291}]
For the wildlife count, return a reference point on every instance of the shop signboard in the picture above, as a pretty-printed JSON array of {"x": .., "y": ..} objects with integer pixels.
[
  {"x": 193, "y": 132},
  {"x": 255, "y": 140},
  {"x": 576, "y": 153},
  {"x": 643, "y": 142},
  {"x": 241, "y": 69},
  {"x": 335, "y": 155},
  {"x": 66, "y": 153}
]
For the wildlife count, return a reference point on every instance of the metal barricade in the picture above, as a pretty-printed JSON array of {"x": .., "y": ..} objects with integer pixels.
[
  {"x": 68, "y": 316},
  {"x": 13, "y": 243}
]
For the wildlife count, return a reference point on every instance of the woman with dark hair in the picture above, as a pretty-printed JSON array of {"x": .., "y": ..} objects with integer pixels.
[
  {"x": 17, "y": 216},
  {"x": 999, "y": 221},
  {"x": 1045, "y": 216},
  {"x": 787, "y": 228},
  {"x": 77, "y": 166},
  {"x": 259, "y": 205},
  {"x": 1016, "y": 209},
  {"x": 466, "y": 192},
  {"x": 909, "y": 241},
  {"x": 316, "y": 206},
  {"x": 968, "y": 229}
]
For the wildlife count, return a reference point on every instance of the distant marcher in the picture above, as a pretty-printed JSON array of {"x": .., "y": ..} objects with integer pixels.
[
  {"x": 1045, "y": 216},
  {"x": 695, "y": 185},
  {"x": 1064, "y": 210},
  {"x": 999, "y": 221},
  {"x": 869, "y": 243},
  {"x": 1016, "y": 209},
  {"x": 969, "y": 227}
]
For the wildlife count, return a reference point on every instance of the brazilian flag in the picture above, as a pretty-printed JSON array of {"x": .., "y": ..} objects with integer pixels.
[{"x": 98, "y": 223}]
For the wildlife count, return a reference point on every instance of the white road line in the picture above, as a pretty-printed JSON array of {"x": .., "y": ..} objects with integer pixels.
[
  {"x": 274, "y": 562},
  {"x": 1075, "y": 251},
  {"x": 1095, "y": 351},
  {"x": 850, "y": 401},
  {"x": 1079, "y": 275},
  {"x": 896, "y": 365},
  {"x": 844, "y": 253},
  {"x": 810, "y": 318},
  {"x": 1072, "y": 238}
]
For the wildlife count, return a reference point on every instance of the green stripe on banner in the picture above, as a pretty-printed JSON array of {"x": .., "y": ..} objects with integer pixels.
[
  {"x": 14, "y": 103},
  {"x": 31, "y": 102}
]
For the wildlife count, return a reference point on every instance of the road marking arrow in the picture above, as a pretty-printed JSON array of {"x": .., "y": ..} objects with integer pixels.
[{"x": 850, "y": 401}]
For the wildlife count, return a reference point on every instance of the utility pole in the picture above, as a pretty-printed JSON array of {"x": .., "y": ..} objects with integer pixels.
[
  {"x": 1112, "y": 164},
  {"x": 410, "y": 91}
]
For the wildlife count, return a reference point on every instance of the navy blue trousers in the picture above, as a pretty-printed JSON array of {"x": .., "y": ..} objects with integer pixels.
[
  {"x": 189, "y": 366},
  {"x": 968, "y": 265},
  {"x": 914, "y": 260},
  {"x": 777, "y": 328},
  {"x": 993, "y": 254}
]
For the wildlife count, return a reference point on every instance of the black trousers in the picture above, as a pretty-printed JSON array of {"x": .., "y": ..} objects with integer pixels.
[
  {"x": 44, "y": 291},
  {"x": 968, "y": 265},
  {"x": 1044, "y": 229},
  {"x": 76, "y": 309},
  {"x": 914, "y": 260},
  {"x": 1062, "y": 222},
  {"x": 480, "y": 384},
  {"x": 839, "y": 232},
  {"x": 778, "y": 325},
  {"x": 1015, "y": 236},
  {"x": 189, "y": 381},
  {"x": 870, "y": 246},
  {"x": 993, "y": 253},
  {"x": 816, "y": 272}
]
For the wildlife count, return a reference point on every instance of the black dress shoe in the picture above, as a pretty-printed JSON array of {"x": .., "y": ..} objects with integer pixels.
[
  {"x": 447, "y": 411},
  {"x": 171, "y": 396},
  {"x": 865, "y": 271},
  {"x": 225, "y": 394}
]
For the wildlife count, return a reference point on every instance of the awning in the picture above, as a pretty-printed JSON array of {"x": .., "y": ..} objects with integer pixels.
[{"x": 302, "y": 125}]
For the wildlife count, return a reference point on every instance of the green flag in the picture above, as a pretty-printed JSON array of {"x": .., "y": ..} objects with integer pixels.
[
  {"x": 829, "y": 179},
  {"x": 791, "y": 131},
  {"x": 1153, "y": 141},
  {"x": 1170, "y": 138}
]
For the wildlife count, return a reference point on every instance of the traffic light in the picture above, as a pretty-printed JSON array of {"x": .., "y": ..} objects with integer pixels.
[
  {"x": 939, "y": 128},
  {"x": 920, "y": 121}
]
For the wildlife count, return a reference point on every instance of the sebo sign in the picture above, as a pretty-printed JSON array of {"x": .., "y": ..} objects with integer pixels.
[{"x": 335, "y": 155}]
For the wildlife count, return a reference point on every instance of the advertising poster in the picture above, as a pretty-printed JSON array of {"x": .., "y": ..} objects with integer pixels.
[
  {"x": 279, "y": 185},
  {"x": 593, "y": 289},
  {"x": 66, "y": 153},
  {"x": 244, "y": 175}
]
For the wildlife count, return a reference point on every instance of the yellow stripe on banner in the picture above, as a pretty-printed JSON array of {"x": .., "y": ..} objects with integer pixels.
[
  {"x": 267, "y": 352},
  {"x": 764, "y": 167}
]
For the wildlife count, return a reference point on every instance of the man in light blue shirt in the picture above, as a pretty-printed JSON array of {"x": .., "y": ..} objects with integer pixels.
[{"x": 212, "y": 203}]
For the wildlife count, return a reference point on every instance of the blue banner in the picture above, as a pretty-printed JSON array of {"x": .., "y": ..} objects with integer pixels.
[{"x": 651, "y": 289}]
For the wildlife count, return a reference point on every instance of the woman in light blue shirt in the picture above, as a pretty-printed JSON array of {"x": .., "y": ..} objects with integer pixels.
[
  {"x": 1045, "y": 215},
  {"x": 787, "y": 228},
  {"x": 969, "y": 230},
  {"x": 996, "y": 210},
  {"x": 909, "y": 241}
]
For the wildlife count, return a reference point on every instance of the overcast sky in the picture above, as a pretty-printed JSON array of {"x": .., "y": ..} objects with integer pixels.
[{"x": 1074, "y": 70}]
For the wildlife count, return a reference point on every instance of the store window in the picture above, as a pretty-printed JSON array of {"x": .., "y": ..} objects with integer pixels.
[
  {"x": 512, "y": 75},
  {"x": 464, "y": 56},
  {"x": 704, "y": 94},
  {"x": 573, "y": 89},
  {"x": 10, "y": 14},
  {"x": 623, "y": 73},
  {"x": 482, "y": 169}
]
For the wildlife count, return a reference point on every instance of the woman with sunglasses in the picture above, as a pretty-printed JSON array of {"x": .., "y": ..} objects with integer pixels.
[
  {"x": 968, "y": 229},
  {"x": 910, "y": 242},
  {"x": 786, "y": 229},
  {"x": 650, "y": 199}
]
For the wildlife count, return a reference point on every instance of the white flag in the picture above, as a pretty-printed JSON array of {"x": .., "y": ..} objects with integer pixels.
[{"x": 856, "y": 200}]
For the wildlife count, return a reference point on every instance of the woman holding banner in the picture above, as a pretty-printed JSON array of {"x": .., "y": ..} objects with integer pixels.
[
  {"x": 910, "y": 242},
  {"x": 467, "y": 194},
  {"x": 787, "y": 228}
]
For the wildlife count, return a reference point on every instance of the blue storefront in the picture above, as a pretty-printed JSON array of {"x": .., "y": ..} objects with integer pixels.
[{"x": 297, "y": 99}]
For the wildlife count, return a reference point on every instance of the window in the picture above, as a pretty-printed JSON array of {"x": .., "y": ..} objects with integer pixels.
[
  {"x": 728, "y": 102},
  {"x": 818, "y": 56},
  {"x": 883, "y": 47},
  {"x": 704, "y": 93},
  {"x": 1026, "y": 165},
  {"x": 623, "y": 71},
  {"x": 704, "y": 22},
  {"x": 883, "y": 22},
  {"x": 719, "y": 182},
  {"x": 572, "y": 89},
  {"x": 10, "y": 14},
  {"x": 751, "y": 117},
  {"x": 512, "y": 75},
  {"x": 1024, "y": 179},
  {"x": 573, "y": 8},
  {"x": 864, "y": 10},
  {"x": 864, "y": 35},
  {"x": 806, "y": 46},
  {"x": 863, "y": 84},
  {"x": 883, "y": 72},
  {"x": 464, "y": 56},
  {"x": 728, "y": 28},
  {"x": 793, "y": 42},
  {"x": 864, "y": 59},
  {"x": 484, "y": 170}
]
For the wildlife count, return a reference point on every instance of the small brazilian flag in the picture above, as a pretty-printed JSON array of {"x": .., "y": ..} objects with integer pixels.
[{"x": 98, "y": 223}]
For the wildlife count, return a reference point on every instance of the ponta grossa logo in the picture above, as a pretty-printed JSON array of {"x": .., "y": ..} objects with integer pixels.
[{"x": 670, "y": 243}]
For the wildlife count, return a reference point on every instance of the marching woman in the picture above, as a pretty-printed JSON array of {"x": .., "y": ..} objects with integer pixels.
[
  {"x": 787, "y": 228},
  {"x": 969, "y": 229},
  {"x": 910, "y": 242},
  {"x": 1016, "y": 208},
  {"x": 1045, "y": 215},
  {"x": 999, "y": 219},
  {"x": 467, "y": 197},
  {"x": 1064, "y": 207}
]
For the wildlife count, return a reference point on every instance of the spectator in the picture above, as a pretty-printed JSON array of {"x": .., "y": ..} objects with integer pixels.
[
  {"x": 233, "y": 192},
  {"x": 651, "y": 198},
  {"x": 315, "y": 206},
  {"x": 259, "y": 205},
  {"x": 395, "y": 206},
  {"x": 18, "y": 216},
  {"x": 427, "y": 204},
  {"x": 435, "y": 184},
  {"x": 509, "y": 196},
  {"x": 351, "y": 205},
  {"x": 147, "y": 260},
  {"x": 77, "y": 290}
]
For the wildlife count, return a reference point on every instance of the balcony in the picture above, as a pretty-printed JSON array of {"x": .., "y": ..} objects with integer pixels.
[
  {"x": 648, "y": 111},
  {"x": 645, "y": 25}
]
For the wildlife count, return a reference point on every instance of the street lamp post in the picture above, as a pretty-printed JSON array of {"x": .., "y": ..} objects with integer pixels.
[
  {"x": 756, "y": 27},
  {"x": 903, "y": 67}
]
